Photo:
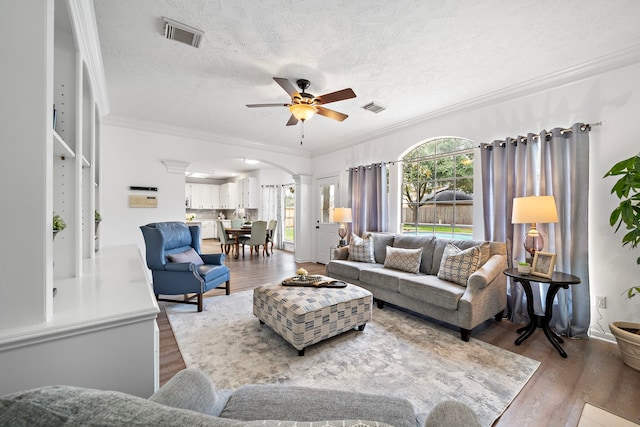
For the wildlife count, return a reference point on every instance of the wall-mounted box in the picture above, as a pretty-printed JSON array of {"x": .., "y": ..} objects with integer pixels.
[{"x": 143, "y": 201}]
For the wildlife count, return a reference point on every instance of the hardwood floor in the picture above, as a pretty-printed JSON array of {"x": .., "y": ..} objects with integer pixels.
[{"x": 554, "y": 396}]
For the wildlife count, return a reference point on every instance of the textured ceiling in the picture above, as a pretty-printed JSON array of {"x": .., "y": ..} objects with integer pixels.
[{"x": 412, "y": 57}]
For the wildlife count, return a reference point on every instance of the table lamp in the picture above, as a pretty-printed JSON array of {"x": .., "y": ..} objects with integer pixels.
[
  {"x": 534, "y": 210},
  {"x": 342, "y": 215}
]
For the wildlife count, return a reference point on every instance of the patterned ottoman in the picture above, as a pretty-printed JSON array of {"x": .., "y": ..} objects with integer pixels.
[{"x": 307, "y": 315}]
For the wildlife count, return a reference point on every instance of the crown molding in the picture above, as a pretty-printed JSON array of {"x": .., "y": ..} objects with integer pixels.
[
  {"x": 85, "y": 30},
  {"x": 177, "y": 167},
  {"x": 606, "y": 63},
  {"x": 120, "y": 121}
]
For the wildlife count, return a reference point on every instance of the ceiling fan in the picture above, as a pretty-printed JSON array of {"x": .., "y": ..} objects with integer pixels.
[{"x": 304, "y": 105}]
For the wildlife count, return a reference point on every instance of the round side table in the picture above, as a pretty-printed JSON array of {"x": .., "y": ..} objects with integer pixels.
[{"x": 558, "y": 280}]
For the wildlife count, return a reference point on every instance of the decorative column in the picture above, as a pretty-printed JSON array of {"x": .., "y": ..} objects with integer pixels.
[{"x": 304, "y": 223}]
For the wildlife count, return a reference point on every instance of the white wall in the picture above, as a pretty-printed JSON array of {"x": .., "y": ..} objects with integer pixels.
[
  {"x": 613, "y": 98},
  {"x": 133, "y": 157}
]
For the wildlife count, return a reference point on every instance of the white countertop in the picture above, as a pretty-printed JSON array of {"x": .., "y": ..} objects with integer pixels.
[{"x": 113, "y": 290}]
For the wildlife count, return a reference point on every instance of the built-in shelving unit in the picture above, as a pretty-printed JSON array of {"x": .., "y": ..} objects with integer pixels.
[{"x": 104, "y": 301}]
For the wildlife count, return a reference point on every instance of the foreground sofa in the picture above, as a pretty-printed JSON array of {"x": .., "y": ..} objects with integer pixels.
[
  {"x": 465, "y": 304},
  {"x": 190, "y": 399}
]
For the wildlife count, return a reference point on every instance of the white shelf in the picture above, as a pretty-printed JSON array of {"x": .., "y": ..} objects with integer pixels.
[
  {"x": 95, "y": 300},
  {"x": 60, "y": 148}
]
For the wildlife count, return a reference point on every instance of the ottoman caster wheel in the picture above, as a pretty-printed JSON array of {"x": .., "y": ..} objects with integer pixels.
[
  {"x": 261, "y": 322},
  {"x": 361, "y": 327},
  {"x": 301, "y": 352}
]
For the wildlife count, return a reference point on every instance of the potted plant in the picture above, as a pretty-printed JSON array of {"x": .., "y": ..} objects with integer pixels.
[
  {"x": 97, "y": 218},
  {"x": 627, "y": 213},
  {"x": 58, "y": 225}
]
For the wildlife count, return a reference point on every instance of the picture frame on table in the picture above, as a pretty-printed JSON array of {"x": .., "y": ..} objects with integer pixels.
[{"x": 543, "y": 264}]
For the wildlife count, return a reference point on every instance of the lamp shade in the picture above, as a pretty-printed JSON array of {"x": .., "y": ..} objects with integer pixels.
[
  {"x": 534, "y": 209},
  {"x": 342, "y": 215},
  {"x": 302, "y": 111}
]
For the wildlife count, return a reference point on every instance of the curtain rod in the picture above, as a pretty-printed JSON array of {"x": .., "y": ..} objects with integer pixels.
[
  {"x": 376, "y": 164},
  {"x": 584, "y": 128}
]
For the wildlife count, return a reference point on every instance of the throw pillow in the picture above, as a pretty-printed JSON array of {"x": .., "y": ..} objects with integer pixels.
[
  {"x": 457, "y": 265},
  {"x": 188, "y": 256},
  {"x": 361, "y": 248},
  {"x": 403, "y": 259}
]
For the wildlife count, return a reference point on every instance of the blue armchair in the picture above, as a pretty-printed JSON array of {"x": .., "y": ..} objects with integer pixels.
[{"x": 178, "y": 267}]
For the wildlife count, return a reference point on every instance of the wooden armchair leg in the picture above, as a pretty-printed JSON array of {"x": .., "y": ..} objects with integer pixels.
[{"x": 199, "y": 303}]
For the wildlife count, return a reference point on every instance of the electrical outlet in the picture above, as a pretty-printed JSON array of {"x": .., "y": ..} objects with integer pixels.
[{"x": 601, "y": 302}]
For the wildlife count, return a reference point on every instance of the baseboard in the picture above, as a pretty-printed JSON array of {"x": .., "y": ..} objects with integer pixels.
[{"x": 608, "y": 337}]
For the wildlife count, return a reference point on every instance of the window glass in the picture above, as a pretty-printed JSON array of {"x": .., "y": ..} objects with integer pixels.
[
  {"x": 327, "y": 202},
  {"x": 437, "y": 189},
  {"x": 289, "y": 213}
]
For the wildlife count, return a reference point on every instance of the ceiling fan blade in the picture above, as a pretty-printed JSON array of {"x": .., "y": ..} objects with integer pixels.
[
  {"x": 267, "y": 105},
  {"x": 292, "y": 121},
  {"x": 331, "y": 114},
  {"x": 286, "y": 85},
  {"x": 336, "y": 96}
]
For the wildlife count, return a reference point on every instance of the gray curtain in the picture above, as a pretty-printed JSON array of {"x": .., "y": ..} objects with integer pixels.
[
  {"x": 273, "y": 208},
  {"x": 556, "y": 164},
  {"x": 368, "y": 189}
]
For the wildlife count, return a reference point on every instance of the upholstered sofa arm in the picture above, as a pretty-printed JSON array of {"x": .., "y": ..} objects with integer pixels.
[
  {"x": 180, "y": 266},
  {"x": 450, "y": 413},
  {"x": 192, "y": 389},
  {"x": 485, "y": 274},
  {"x": 341, "y": 253},
  {"x": 213, "y": 259}
]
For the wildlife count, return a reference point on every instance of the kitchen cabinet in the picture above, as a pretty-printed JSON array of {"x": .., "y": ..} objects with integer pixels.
[
  {"x": 202, "y": 196},
  {"x": 248, "y": 193},
  {"x": 228, "y": 195},
  {"x": 208, "y": 230}
]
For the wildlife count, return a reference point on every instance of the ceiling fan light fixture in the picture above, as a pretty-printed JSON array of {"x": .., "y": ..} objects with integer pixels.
[{"x": 302, "y": 111}]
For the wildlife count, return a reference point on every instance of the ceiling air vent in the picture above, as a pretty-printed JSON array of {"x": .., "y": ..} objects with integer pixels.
[
  {"x": 373, "y": 107},
  {"x": 183, "y": 33}
]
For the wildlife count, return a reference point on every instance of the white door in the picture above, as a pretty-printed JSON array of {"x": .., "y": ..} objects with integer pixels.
[{"x": 327, "y": 198}]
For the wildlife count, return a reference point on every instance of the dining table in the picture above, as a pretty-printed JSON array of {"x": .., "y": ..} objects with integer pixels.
[{"x": 236, "y": 232}]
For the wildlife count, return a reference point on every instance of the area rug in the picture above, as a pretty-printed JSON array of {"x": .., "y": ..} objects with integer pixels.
[{"x": 397, "y": 354}]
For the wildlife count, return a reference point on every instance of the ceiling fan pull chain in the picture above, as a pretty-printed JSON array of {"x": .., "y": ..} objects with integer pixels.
[{"x": 301, "y": 132}]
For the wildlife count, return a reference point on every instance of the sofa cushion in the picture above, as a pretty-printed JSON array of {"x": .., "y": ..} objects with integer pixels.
[
  {"x": 412, "y": 241},
  {"x": 384, "y": 278},
  {"x": 380, "y": 243},
  {"x": 403, "y": 259},
  {"x": 263, "y": 401},
  {"x": 211, "y": 272},
  {"x": 75, "y": 406},
  {"x": 361, "y": 248},
  {"x": 187, "y": 256},
  {"x": 430, "y": 289},
  {"x": 349, "y": 270},
  {"x": 457, "y": 265}
]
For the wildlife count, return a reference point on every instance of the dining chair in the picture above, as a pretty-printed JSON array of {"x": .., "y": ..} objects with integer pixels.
[
  {"x": 271, "y": 230},
  {"x": 258, "y": 237},
  {"x": 236, "y": 223},
  {"x": 226, "y": 241}
]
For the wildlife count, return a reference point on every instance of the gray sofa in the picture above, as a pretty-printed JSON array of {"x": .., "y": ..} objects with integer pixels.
[
  {"x": 483, "y": 297},
  {"x": 190, "y": 399}
]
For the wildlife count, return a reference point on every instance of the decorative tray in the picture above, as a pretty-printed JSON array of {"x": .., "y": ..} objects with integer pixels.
[{"x": 314, "y": 281}]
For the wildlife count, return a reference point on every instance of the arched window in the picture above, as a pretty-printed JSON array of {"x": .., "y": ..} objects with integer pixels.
[{"x": 437, "y": 189}]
